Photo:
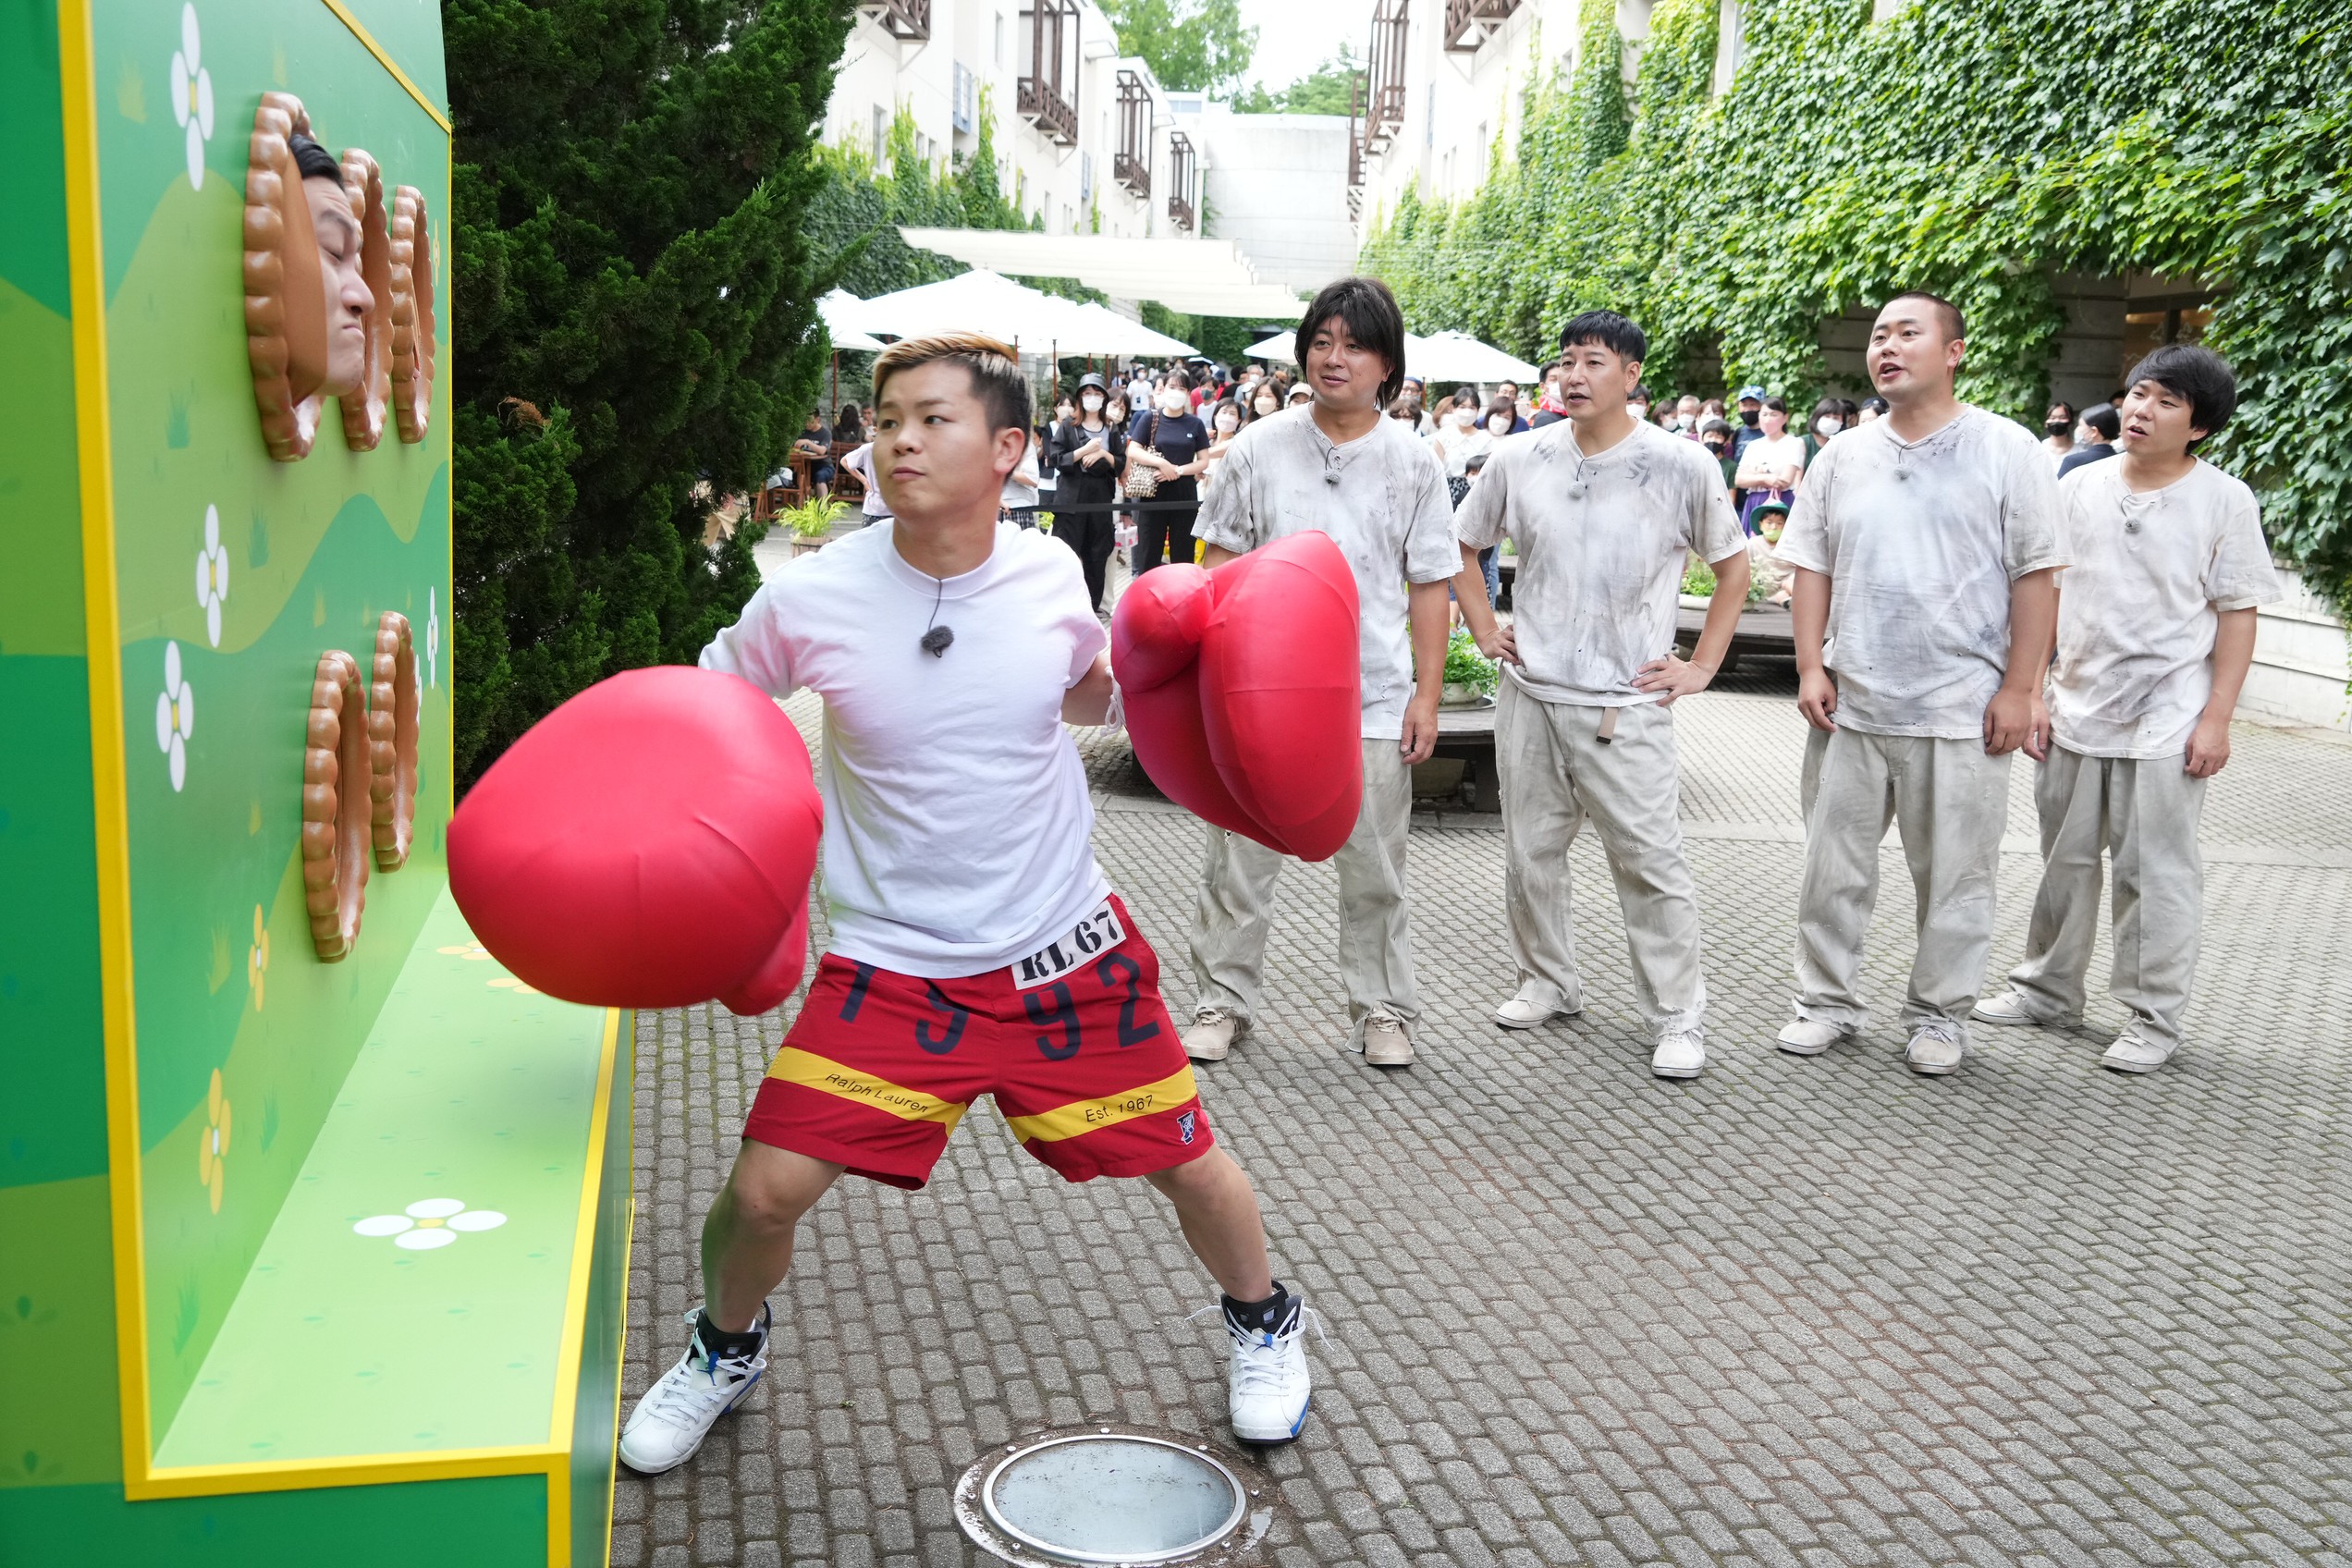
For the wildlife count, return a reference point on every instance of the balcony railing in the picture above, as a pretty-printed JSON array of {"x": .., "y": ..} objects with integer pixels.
[
  {"x": 1469, "y": 23},
  {"x": 1384, "y": 107},
  {"x": 1180, "y": 181},
  {"x": 1131, "y": 166},
  {"x": 907, "y": 20},
  {"x": 1047, "y": 96}
]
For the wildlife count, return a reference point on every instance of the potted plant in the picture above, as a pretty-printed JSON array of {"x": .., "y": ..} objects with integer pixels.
[
  {"x": 812, "y": 522},
  {"x": 1470, "y": 677}
]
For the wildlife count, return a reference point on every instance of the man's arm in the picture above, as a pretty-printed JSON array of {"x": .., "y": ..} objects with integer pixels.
[
  {"x": 1426, "y": 614},
  {"x": 1089, "y": 701},
  {"x": 1216, "y": 555},
  {"x": 2209, "y": 746},
  {"x": 1809, "y": 621},
  {"x": 1494, "y": 639},
  {"x": 2033, "y": 624},
  {"x": 1678, "y": 678}
]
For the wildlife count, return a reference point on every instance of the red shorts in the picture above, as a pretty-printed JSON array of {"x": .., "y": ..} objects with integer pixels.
[{"x": 1084, "y": 1062}]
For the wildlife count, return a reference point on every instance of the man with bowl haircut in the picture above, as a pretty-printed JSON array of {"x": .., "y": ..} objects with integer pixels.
[
  {"x": 1605, "y": 509},
  {"x": 1340, "y": 465},
  {"x": 2155, "y": 634},
  {"x": 977, "y": 949},
  {"x": 1926, "y": 548}
]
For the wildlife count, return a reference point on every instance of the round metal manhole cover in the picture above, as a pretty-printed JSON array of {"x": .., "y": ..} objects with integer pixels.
[{"x": 1109, "y": 1497}]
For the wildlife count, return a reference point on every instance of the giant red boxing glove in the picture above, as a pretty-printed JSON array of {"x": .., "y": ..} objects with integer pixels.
[
  {"x": 647, "y": 844},
  {"x": 1243, "y": 692}
]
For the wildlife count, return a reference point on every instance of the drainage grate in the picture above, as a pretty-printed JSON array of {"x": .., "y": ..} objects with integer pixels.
[{"x": 1109, "y": 1497}]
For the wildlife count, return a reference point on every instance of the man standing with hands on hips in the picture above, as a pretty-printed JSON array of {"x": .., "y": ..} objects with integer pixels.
[
  {"x": 1926, "y": 547},
  {"x": 1340, "y": 466},
  {"x": 1605, "y": 511}
]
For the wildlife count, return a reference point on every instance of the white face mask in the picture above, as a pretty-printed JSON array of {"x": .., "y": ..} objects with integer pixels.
[
  {"x": 1826, "y": 427},
  {"x": 1090, "y": 402},
  {"x": 1266, "y": 405},
  {"x": 1229, "y": 422},
  {"x": 1499, "y": 425},
  {"x": 1464, "y": 419},
  {"x": 1172, "y": 404}
]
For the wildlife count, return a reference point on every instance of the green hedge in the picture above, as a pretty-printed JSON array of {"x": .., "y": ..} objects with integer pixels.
[{"x": 1973, "y": 147}]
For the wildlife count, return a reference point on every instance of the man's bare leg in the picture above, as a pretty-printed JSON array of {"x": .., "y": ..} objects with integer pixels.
[
  {"x": 1218, "y": 1209},
  {"x": 747, "y": 1237}
]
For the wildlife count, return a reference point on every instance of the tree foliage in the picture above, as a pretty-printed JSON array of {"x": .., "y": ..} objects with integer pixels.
[
  {"x": 1328, "y": 89},
  {"x": 1975, "y": 147},
  {"x": 634, "y": 324},
  {"x": 1191, "y": 45}
]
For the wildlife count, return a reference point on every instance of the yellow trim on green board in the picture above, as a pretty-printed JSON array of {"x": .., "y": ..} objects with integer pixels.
[
  {"x": 575, "y": 1323},
  {"x": 110, "y": 848},
  {"x": 385, "y": 61}
]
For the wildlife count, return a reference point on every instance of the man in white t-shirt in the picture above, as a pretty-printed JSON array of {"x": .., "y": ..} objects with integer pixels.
[
  {"x": 976, "y": 947},
  {"x": 1340, "y": 466},
  {"x": 1605, "y": 512},
  {"x": 1926, "y": 548},
  {"x": 2155, "y": 634}
]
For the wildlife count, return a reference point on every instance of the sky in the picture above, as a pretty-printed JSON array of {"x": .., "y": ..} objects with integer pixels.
[{"x": 1294, "y": 36}]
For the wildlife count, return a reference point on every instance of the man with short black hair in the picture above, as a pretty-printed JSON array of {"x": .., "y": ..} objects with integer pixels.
[
  {"x": 1511, "y": 389},
  {"x": 976, "y": 948},
  {"x": 1340, "y": 466},
  {"x": 2102, "y": 422},
  {"x": 1926, "y": 547},
  {"x": 2155, "y": 635},
  {"x": 1747, "y": 422},
  {"x": 1605, "y": 509}
]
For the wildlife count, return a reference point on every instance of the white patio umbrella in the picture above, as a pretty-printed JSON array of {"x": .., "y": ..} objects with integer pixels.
[
  {"x": 1277, "y": 347},
  {"x": 1457, "y": 356},
  {"x": 978, "y": 301},
  {"x": 1105, "y": 331},
  {"x": 840, "y": 311}
]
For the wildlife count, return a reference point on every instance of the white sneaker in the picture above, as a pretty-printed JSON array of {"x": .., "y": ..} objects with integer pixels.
[
  {"x": 1526, "y": 1011},
  {"x": 1210, "y": 1035},
  {"x": 679, "y": 1411},
  {"x": 1809, "y": 1036},
  {"x": 1681, "y": 1053},
  {"x": 2009, "y": 1008},
  {"x": 1938, "y": 1045},
  {"x": 2134, "y": 1053},
  {"x": 1385, "y": 1042},
  {"x": 1267, "y": 1388}
]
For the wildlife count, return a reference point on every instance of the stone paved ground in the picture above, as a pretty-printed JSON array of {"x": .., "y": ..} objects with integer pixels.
[{"x": 1814, "y": 1312}]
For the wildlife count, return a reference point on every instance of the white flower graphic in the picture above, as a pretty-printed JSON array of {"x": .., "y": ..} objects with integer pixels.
[
  {"x": 431, "y": 633},
  {"x": 174, "y": 717},
  {"x": 429, "y": 1223},
  {"x": 211, "y": 574},
  {"x": 192, "y": 87}
]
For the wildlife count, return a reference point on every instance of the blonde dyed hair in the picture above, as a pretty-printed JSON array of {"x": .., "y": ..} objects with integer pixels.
[{"x": 993, "y": 369}]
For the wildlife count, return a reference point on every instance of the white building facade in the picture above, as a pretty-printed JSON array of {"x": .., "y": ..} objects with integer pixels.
[{"x": 1082, "y": 136}]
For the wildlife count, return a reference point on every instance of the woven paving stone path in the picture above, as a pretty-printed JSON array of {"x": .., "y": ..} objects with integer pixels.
[{"x": 1818, "y": 1311}]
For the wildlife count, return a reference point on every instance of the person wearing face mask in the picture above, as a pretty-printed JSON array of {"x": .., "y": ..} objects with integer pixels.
[
  {"x": 1502, "y": 418},
  {"x": 1459, "y": 439},
  {"x": 1264, "y": 401},
  {"x": 1225, "y": 422},
  {"x": 2096, "y": 438},
  {"x": 1748, "y": 424},
  {"x": 1169, "y": 439},
  {"x": 1829, "y": 419},
  {"x": 1089, "y": 451},
  {"x": 2058, "y": 434},
  {"x": 1637, "y": 406},
  {"x": 1770, "y": 465},
  {"x": 1686, "y": 416},
  {"x": 1413, "y": 397},
  {"x": 1871, "y": 409}
]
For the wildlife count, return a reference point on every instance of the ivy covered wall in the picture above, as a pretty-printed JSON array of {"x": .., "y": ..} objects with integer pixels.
[{"x": 1973, "y": 147}]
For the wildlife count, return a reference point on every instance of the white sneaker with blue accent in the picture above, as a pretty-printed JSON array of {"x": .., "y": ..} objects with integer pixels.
[
  {"x": 1267, "y": 1392},
  {"x": 678, "y": 1412}
]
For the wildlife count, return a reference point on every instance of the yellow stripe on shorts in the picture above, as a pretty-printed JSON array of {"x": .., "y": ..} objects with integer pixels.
[
  {"x": 813, "y": 1072},
  {"x": 1091, "y": 1116}
]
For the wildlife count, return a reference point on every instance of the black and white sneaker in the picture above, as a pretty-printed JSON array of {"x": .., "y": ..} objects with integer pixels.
[
  {"x": 1268, "y": 1387},
  {"x": 678, "y": 1412}
]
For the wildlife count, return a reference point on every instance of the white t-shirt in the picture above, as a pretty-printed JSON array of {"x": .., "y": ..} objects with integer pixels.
[
  {"x": 957, "y": 825},
  {"x": 1921, "y": 541},
  {"x": 1381, "y": 497},
  {"x": 861, "y": 462},
  {"x": 2137, "y": 611},
  {"x": 1769, "y": 454},
  {"x": 1602, "y": 543}
]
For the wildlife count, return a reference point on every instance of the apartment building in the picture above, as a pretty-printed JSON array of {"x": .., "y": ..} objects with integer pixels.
[{"x": 1082, "y": 135}]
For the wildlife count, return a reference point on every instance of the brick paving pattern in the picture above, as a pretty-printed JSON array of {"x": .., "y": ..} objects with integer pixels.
[{"x": 1817, "y": 1311}]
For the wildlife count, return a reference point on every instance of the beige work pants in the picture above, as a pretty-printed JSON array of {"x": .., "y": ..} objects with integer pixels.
[
  {"x": 2144, "y": 814},
  {"x": 1950, "y": 802},
  {"x": 1375, "y": 939},
  {"x": 1557, "y": 772}
]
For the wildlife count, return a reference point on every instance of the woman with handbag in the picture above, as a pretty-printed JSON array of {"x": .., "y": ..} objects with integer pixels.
[
  {"x": 1164, "y": 452},
  {"x": 1089, "y": 450}
]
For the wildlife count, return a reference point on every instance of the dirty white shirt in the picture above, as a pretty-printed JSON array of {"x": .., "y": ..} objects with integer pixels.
[
  {"x": 1921, "y": 541},
  {"x": 1602, "y": 543},
  {"x": 2139, "y": 609},
  {"x": 1381, "y": 497}
]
